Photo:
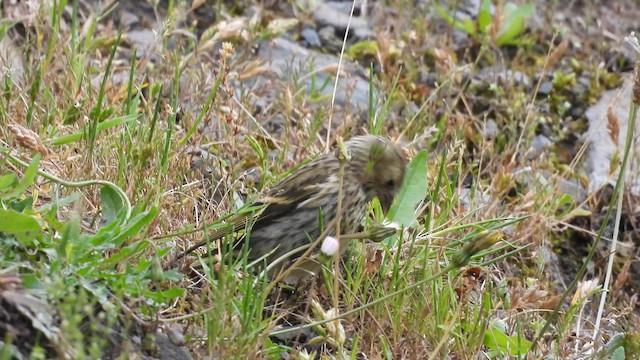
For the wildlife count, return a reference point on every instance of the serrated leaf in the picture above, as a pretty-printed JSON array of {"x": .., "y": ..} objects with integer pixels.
[
  {"x": 412, "y": 192},
  {"x": 24, "y": 227},
  {"x": 111, "y": 204}
]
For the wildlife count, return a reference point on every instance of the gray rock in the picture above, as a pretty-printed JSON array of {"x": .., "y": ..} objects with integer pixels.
[
  {"x": 288, "y": 61},
  {"x": 311, "y": 37},
  {"x": 539, "y": 144},
  {"x": 145, "y": 42},
  {"x": 502, "y": 76},
  {"x": 490, "y": 129},
  {"x": 602, "y": 146},
  {"x": 326, "y": 15},
  {"x": 545, "y": 88}
]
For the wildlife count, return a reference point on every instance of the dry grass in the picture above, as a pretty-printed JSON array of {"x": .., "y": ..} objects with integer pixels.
[{"x": 135, "y": 132}]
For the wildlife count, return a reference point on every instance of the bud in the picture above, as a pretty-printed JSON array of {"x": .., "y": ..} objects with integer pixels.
[{"x": 330, "y": 246}]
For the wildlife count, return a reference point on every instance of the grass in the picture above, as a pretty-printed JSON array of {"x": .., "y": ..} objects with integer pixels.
[{"x": 89, "y": 225}]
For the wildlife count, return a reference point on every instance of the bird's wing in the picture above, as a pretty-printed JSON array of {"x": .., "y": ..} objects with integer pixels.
[
  {"x": 302, "y": 187},
  {"x": 282, "y": 199},
  {"x": 291, "y": 192}
]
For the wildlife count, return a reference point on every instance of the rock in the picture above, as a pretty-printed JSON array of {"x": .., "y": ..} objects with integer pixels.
[
  {"x": 539, "y": 145},
  {"x": 326, "y": 15},
  {"x": 286, "y": 58},
  {"x": 490, "y": 130},
  {"x": 11, "y": 57},
  {"x": 545, "y": 88},
  {"x": 544, "y": 179},
  {"x": 144, "y": 41},
  {"x": 609, "y": 113},
  {"x": 311, "y": 37},
  {"x": 502, "y": 76}
]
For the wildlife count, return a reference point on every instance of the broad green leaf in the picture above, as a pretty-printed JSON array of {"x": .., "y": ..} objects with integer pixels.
[
  {"x": 413, "y": 190},
  {"x": 22, "y": 205},
  {"x": 31, "y": 281},
  {"x": 484, "y": 16},
  {"x": 104, "y": 235},
  {"x": 8, "y": 180},
  {"x": 25, "y": 182},
  {"x": 97, "y": 289},
  {"x": 514, "y": 24},
  {"x": 496, "y": 339},
  {"x": 24, "y": 227},
  {"x": 111, "y": 203}
]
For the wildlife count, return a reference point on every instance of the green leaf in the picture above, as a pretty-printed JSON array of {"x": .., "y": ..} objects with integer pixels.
[
  {"x": 172, "y": 275},
  {"x": 514, "y": 24},
  {"x": 7, "y": 181},
  {"x": 24, "y": 227},
  {"x": 31, "y": 281},
  {"x": 255, "y": 145},
  {"x": 70, "y": 236},
  {"x": 133, "y": 226},
  {"x": 77, "y": 136},
  {"x": 363, "y": 48},
  {"x": 71, "y": 115},
  {"x": 413, "y": 190},
  {"x": 126, "y": 252},
  {"x": 60, "y": 202},
  {"x": 25, "y": 182},
  {"x": 496, "y": 339},
  {"x": 467, "y": 25},
  {"x": 484, "y": 16},
  {"x": 111, "y": 204},
  {"x": 22, "y": 205},
  {"x": 162, "y": 297}
]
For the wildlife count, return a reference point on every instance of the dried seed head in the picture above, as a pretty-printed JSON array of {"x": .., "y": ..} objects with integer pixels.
[
  {"x": 27, "y": 139},
  {"x": 226, "y": 51}
]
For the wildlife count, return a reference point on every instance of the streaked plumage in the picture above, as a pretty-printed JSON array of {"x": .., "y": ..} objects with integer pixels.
[{"x": 293, "y": 208}]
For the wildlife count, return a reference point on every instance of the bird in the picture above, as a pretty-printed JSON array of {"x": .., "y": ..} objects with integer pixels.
[{"x": 297, "y": 210}]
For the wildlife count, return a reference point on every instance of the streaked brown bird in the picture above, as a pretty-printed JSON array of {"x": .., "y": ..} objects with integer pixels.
[{"x": 296, "y": 210}]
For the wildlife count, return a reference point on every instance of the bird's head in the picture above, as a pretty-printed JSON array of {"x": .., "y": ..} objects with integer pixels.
[{"x": 381, "y": 165}]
